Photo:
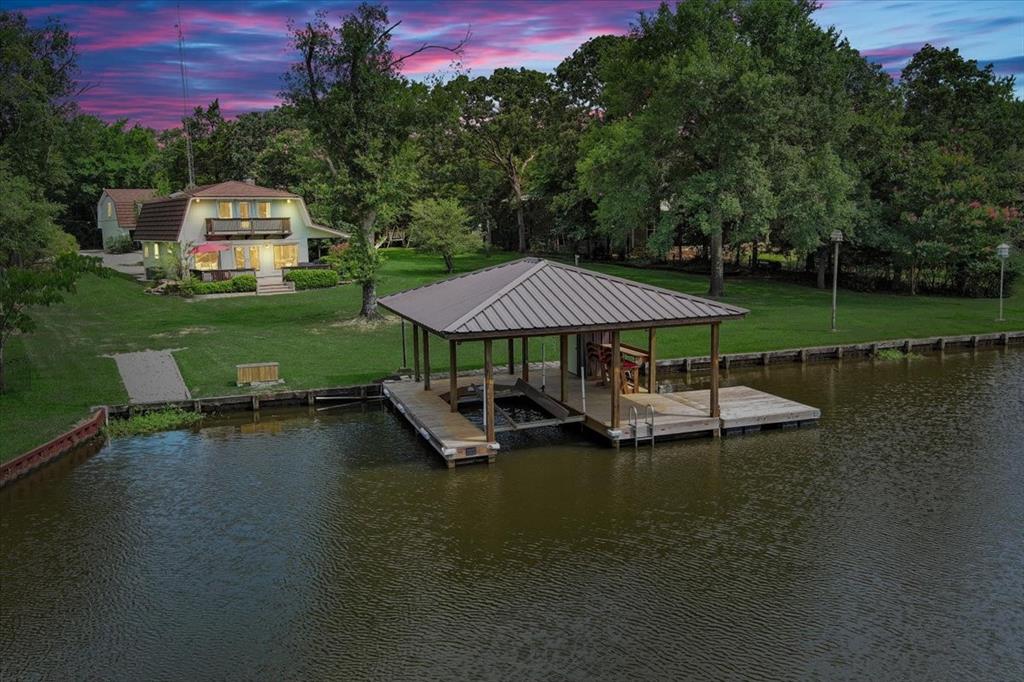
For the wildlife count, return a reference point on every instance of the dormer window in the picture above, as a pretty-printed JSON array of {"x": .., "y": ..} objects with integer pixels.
[
  {"x": 263, "y": 209},
  {"x": 224, "y": 209}
]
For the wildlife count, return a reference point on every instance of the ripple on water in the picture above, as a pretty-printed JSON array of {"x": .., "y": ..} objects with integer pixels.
[{"x": 884, "y": 543}]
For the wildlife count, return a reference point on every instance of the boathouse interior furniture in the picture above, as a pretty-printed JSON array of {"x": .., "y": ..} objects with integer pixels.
[{"x": 629, "y": 371}]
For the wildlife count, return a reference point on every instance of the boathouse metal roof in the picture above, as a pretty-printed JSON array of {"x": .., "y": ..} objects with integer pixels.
[{"x": 534, "y": 296}]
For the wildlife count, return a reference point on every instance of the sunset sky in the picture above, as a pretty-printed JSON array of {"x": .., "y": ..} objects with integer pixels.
[{"x": 237, "y": 51}]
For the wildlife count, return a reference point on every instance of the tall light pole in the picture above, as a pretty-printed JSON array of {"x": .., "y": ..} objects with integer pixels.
[
  {"x": 1003, "y": 251},
  {"x": 836, "y": 237}
]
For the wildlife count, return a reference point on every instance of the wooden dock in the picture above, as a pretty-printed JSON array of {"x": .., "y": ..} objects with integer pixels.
[
  {"x": 675, "y": 415},
  {"x": 455, "y": 438}
]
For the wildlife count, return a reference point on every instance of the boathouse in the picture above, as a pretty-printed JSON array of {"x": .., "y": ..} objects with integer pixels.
[{"x": 608, "y": 386}]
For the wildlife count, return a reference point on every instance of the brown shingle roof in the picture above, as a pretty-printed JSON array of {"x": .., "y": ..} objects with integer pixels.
[
  {"x": 536, "y": 296},
  {"x": 160, "y": 219},
  {"x": 124, "y": 203},
  {"x": 233, "y": 189}
]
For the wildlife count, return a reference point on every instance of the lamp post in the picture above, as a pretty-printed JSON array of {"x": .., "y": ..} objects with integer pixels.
[
  {"x": 1003, "y": 252},
  {"x": 836, "y": 237}
]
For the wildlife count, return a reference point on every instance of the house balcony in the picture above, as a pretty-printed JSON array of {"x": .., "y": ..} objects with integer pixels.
[{"x": 247, "y": 228}]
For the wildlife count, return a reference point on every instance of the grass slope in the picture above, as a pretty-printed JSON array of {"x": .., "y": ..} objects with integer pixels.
[{"x": 56, "y": 373}]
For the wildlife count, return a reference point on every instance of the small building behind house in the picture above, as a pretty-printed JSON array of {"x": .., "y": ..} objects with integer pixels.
[
  {"x": 261, "y": 231},
  {"x": 117, "y": 212}
]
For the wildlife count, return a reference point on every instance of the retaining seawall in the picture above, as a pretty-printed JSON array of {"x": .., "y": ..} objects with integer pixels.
[{"x": 81, "y": 432}]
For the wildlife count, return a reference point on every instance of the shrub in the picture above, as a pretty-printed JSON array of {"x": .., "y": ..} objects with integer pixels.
[
  {"x": 151, "y": 422},
  {"x": 120, "y": 244},
  {"x": 312, "y": 279},
  {"x": 193, "y": 287}
]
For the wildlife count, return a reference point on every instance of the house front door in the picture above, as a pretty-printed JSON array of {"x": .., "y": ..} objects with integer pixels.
[{"x": 266, "y": 260}]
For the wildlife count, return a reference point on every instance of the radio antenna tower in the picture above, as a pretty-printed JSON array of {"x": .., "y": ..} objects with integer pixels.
[{"x": 184, "y": 105}]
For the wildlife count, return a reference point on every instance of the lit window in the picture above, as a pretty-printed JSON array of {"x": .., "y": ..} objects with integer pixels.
[
  {"x": 207, "y": 261},
  {"x": 254, "y": 257},
  {"x": 263, "y": 209},
  {"x": 145, "y": 250},
  {"x": 224, "y": 209},
  {"x": 243, "y": 210},
  {"x": 110, "y": 208},
  {"x": 285, "y": 256},
  {"x": 239, "y": 257},
  {"x": 156, "y": 250}
]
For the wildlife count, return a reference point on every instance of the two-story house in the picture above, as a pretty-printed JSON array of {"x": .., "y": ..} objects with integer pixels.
[
  {"x": 226, "y": 229},
  {"x": 117, "y": 210}
]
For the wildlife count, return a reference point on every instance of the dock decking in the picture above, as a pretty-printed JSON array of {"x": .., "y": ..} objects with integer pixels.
[{"x": 678, "y": 414}]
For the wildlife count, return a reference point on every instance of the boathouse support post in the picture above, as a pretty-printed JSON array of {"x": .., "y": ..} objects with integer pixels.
[
  {"x": 489, "y": 390},
  {"x": 426, "y": 360},
  {"x": 453, "y": 377},
  {"x": 563, "y": 367},
  {"x": 416, "y": 352},
  {"x": 511, "y": 355},
  {"x": 526, "y": 359},
  {"x": 715, "y": 411},
  {"x": 652, "y": 379},
  {"x": 616, "y": 371}
]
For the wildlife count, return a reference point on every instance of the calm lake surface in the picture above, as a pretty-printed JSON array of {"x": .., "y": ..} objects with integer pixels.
[{"x": 888, "y": 542}]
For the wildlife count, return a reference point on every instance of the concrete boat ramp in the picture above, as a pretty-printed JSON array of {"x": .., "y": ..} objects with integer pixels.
[{"x": 663, "y": 415}]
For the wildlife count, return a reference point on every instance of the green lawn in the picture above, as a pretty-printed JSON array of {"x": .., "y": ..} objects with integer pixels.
[{"x": 56, "y": 373}]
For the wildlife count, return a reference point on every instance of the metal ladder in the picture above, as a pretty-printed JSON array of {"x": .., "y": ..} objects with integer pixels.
[{"x": 634, "y": 422}]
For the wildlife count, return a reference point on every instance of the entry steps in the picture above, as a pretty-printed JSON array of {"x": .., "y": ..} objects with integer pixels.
[{"x": 266, "y": 286}]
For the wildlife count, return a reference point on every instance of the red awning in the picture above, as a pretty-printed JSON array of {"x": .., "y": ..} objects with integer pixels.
[{"x": 209, "y": 247}]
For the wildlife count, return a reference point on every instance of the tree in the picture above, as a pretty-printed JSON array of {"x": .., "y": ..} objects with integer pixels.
[
  {"x": 37, "y": 69},
  {"x": 348, "y": 90},
  {"x": 441, "y": 227},
  {"x": 504, "y": 119},
  {"x": 713, "y": 110},
  {"x": 691, "y": 112},
  {"x": 38, "y": 261},
  {"x": 101, "y": 155}
]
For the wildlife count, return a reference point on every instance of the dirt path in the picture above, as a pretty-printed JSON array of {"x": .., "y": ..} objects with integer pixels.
[{"x": 151, "y": 376}]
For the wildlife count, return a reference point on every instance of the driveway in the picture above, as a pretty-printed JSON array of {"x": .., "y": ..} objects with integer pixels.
[{"x": 128, "y": 263}]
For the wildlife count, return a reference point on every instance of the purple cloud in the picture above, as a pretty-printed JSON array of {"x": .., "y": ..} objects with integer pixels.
[{"x": 237, "y": 52}]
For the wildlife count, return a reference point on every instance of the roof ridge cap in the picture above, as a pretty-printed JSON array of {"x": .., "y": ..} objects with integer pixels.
[
  {"x": 644, "y": 285},
  {"x": 455, "y": 277},
  {"x": 539, "y": 265}
]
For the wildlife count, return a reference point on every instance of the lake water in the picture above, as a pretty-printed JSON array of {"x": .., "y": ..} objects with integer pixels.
[{"x": 888, "y": 542}]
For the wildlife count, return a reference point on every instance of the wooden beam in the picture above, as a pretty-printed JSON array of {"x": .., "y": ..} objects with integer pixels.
[
  {"x": 426, "y": 360},
  {"x": 526, "y": 358},
  {"x": 652, "y": 379},
  {"x": 489, "y": 390},
  {"x": 616, "y": 379},
  {"x": 563, "y": 367},
  {"x": 453, "y": 377},
  {"x": 416, "y": 352},
  {"x": 715, "y": 411},
  {"x": 511, "y": 355}
]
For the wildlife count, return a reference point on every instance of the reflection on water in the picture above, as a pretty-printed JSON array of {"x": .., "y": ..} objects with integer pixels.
[{"x": 885, "y": 543}]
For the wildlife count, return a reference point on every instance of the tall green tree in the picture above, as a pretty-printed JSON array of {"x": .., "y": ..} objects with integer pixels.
[
  {"x": 348, "y": 89},
  {"x": 101, "y": 155},
  {"x": 505, "y": 121}
]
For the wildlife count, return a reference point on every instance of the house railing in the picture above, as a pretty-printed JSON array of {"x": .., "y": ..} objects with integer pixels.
[{"x": 223, "y": 228}]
